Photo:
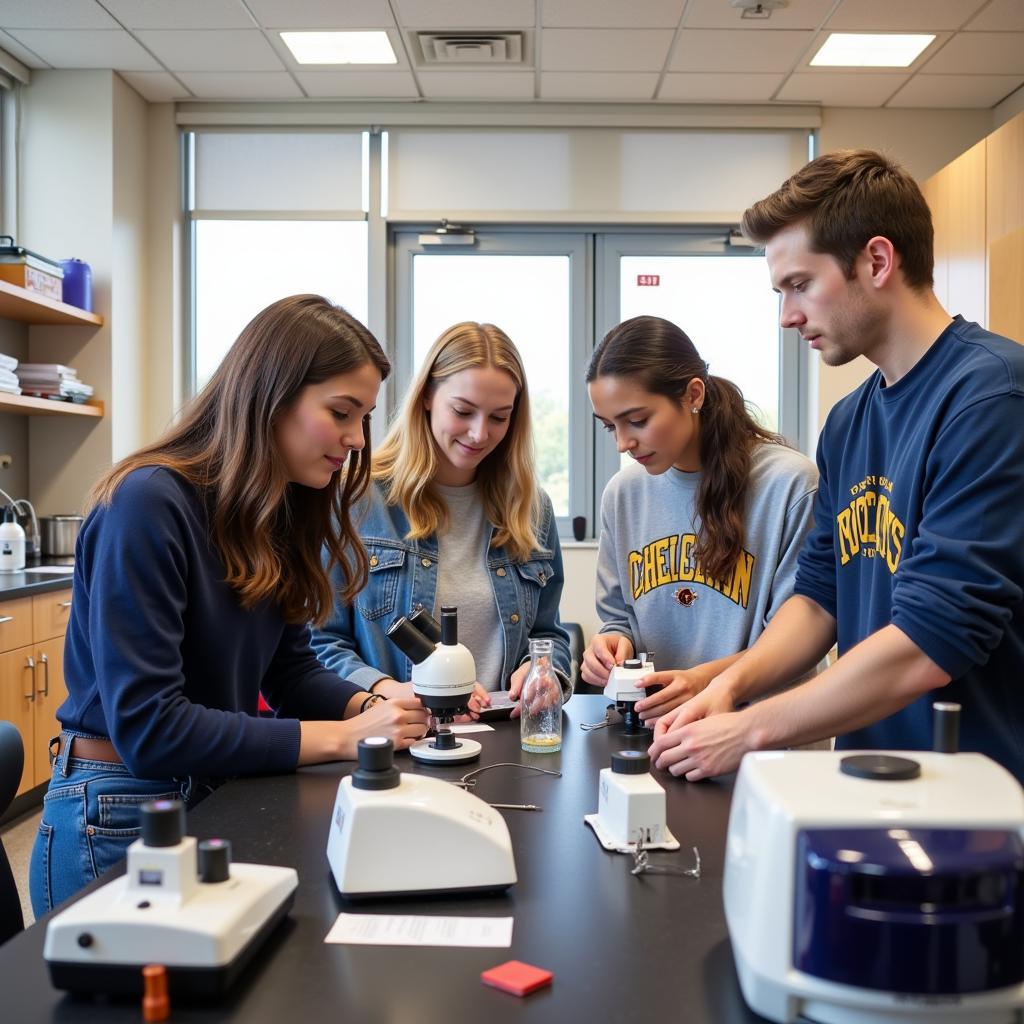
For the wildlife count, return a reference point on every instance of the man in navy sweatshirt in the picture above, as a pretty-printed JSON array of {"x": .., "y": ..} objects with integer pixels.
[{"x": 915, "y": 565}]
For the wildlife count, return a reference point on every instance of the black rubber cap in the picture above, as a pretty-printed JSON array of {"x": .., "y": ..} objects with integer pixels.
[
  {"x": 214, "y": 860},
  {"x": 631, "y": 762},
  {"x": 632, "y": 663},
  {"x": 163, "y": 822},
  {"x": 409, "y": 640},
  {"x": 376, "y": 764},
  {"x": 449, "y": 625},
  {"x": 880, "y": 767}
]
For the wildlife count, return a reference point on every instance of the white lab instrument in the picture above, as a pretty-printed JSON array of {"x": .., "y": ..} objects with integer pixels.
[
  {"x": 622, "y": 689},
  {"x": 190, "y": 910},
  {"x": 397, "y": 834},
  {"x": 869, "y": 887},
  {"x": 631, "y": 806}
]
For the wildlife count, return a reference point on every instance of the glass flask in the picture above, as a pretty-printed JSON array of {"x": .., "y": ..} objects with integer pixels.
[{"x": 540, "y": 703}]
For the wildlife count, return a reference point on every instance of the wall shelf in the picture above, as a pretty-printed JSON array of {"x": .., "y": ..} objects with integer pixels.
[
  {"x": 24, "y": 405},
  {"x": 28, "y": 307}
]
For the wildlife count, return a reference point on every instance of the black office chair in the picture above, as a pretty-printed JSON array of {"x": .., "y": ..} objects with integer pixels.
[
  {"x": 12, "y": 760},
  {"x": 576, "y": 647}
]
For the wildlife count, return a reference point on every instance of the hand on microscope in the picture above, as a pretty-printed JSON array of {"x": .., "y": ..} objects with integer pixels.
[
  {"x": 702, "y": 738},
  {"x": 671, "y": 689},
  {"x": 479, "y": 700},
  {"x": 606, "y": 650}
]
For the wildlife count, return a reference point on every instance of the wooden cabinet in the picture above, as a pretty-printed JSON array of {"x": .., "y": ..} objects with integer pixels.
[
  {"x": 956, "y": 195},
  {"x": 977, "y": 205},
  {"x": 32, "y": 674}
]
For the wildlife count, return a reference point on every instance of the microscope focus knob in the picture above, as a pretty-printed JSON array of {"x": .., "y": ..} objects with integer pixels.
[
  {"x": 163, "y": 822},
  {"x": 376, "y": 764},
  {"x": 631, "y": 762},
  {"x": 214, "y": 860}
]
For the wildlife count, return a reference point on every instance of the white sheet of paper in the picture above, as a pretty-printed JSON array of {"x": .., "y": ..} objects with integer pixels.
[
  {"x": 409, "y": 930},
  {"x": 472, "y": 727},
  {"x": 52, "y": 570}
]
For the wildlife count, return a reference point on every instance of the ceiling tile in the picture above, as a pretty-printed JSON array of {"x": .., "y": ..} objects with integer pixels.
[
  {"x": 156, "y": 86},
  {"x": 58, "y": 14},
  {"x": 322, "y": 14},
  {"x": 87, "y": 48},
  {"x": 902, "y": 15},
  {"x": 466, "y": 14},
  {"x": 715, "y": 14},
  {"x": 853, "y": 89},
  {"x": 592, "y": 49},
  {"x": 358, "y": 84},
  {"x": 19, "y": 52},
  {"x": 723, "y": 50},
  {"x": 611, "y": 13},
  {"x": 211, "y": 50},
  {"x": 477, "y": 85},
  {"x": 979, "y": 92},
  {"x": 980, "y": 53},
  {"x": 180, "y": 14},
  {"x": 999, "y": 16},
  {"x": 242, "y": 85},
  {"x": 739, "y": 87},
  {"x": 621, "y": 87}
]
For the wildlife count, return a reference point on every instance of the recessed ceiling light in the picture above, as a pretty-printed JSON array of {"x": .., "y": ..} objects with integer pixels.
[
  {"x": 340, "y": 47},
  {"x": 870, "y": 50}
]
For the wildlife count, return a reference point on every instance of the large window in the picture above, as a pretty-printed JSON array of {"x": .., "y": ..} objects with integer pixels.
[
  {"x": 272, "y": 213},
  {"x": 243, "y": 265}
]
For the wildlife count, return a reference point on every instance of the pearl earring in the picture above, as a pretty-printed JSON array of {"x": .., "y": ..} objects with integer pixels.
[{"x": 695, "y": 410}]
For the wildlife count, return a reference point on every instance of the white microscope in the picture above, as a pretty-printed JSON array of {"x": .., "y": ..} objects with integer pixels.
[
  {"x": 178, "y": 904},
  {"x": 443, "y": 677},
  {"x": 622, "y": 689}
]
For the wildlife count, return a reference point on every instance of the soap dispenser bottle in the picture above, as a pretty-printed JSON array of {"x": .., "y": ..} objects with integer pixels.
[{"x": 12, "y": 543}]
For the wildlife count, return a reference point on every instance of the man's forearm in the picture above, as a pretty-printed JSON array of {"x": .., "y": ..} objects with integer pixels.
[
  {"x": 797, "y": 638},
  {"x": 881, "y": 675}
]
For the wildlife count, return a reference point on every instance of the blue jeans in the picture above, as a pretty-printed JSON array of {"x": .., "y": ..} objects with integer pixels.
[{"x": 90, "y": 818}]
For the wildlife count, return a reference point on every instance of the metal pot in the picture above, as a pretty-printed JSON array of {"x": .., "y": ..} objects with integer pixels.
[{"x": 59, "y": 534}]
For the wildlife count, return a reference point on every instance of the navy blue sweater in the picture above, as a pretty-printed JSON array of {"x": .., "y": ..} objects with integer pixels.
[
  {"x": 161, "y": 657},
  {"x": 918, "y": 523}
]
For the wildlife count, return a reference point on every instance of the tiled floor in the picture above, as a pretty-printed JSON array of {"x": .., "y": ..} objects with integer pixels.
[{"x": 18, "y": 837}]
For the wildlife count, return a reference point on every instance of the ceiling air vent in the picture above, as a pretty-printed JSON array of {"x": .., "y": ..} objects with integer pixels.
[{"x": 447, "y": 48}]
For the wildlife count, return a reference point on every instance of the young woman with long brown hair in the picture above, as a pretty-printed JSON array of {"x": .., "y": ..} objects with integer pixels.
[
  {"x": 455, "y": 516},
  {"x": 700, "y": 536},
  {"x": 196, "y": 573}
]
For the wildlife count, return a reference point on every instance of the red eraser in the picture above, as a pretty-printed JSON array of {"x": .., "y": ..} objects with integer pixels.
[{"x": 516, "y": 977}]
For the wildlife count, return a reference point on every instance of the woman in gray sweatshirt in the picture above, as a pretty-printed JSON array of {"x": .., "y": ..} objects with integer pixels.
[{"x": 700, "y": 534}]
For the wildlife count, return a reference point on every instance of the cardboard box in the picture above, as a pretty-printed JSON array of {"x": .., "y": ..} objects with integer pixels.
[{"x": 32, "y": 279}]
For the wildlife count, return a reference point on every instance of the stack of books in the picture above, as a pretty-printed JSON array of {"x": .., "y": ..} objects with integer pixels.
[
  {"x": 52, "y": 380},
  {"x": 8, "y": 378}
]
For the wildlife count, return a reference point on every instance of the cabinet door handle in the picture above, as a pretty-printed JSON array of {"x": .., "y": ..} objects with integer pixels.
[
  {"x": 45, "y": 691},
  {"x": 30, "y": 662},
  {"x": 63, "y": 604},
  {"x": 6, "y": 618}
]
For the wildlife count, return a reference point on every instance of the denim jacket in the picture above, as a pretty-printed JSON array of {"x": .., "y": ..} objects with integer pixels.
[{"x": 403, "y": 575}]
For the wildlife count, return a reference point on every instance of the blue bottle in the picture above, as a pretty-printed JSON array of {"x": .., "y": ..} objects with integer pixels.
[{"x": 77, "y": 284}]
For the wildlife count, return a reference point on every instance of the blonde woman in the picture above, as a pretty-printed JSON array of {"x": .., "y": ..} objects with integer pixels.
[{"x": 455, "y": 516}]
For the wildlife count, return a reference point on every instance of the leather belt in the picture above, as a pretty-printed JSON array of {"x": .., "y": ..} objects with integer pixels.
[{"x": 88, "y": 749}]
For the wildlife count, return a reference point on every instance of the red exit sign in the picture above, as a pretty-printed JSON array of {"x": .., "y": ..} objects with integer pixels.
[{"x": 648, "y": 280}]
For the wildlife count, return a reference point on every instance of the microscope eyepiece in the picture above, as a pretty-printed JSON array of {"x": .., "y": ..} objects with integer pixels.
[
  {"x": 449, "y": 626},
  {"x": 409, "y": 640}
]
